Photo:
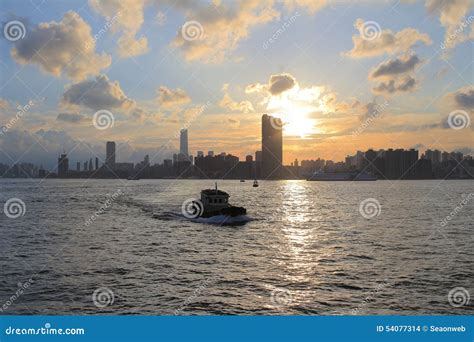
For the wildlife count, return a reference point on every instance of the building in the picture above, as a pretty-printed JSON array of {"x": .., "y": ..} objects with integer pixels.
[
  {"x": 200, "y": 154},
  {"x": 96, "y": 163},
  {"x": 183, "y": 142},
  {"x": 272, "y": 147},
  {"x": 110, "y": 154},
  {"x": 78, "y": 166},
  {"x": 210, "y": 153},
  {"x": 63, "y": 165}
]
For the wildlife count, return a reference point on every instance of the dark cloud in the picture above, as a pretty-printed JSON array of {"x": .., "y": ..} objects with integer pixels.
[
  {"x": 464, "y": 97},
  {"x": 97, "y": 94},
  {"x": 396, "y": 66},
  {"x": 70, "y": 117},
  {"x": 280, "y": 83},
  {"x": 395, "y": 86}
]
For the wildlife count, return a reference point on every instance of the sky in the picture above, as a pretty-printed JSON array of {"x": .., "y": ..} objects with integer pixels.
[{"x": 342, "y": 75}]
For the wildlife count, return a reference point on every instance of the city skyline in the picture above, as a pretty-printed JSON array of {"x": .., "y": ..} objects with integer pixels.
[
  {"x": 266, "y": 163},
  {"x": 342, "y": 78}
]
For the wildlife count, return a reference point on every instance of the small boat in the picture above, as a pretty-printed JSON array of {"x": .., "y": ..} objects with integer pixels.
[
  {"x": 255, "y": 184},
  {"x": 133, "y": 177},
  {"x": 242, "y": 180},
  {"x": 342, "y": 176},
  {"x": 213, "y": 203}
]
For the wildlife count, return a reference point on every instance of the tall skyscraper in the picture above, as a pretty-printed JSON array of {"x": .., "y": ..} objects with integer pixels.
[
  {"x": 63, "y": 165},
  {"x": 110, "y": 154},
  {"x": 96, "y": 163},
  {"x": 183, "y": 142},
  {"x": 272, "y": 146}
]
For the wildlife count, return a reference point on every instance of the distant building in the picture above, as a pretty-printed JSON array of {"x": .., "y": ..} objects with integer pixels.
[
  {"x": 183, "y": 142},
  {"x": 110, "y": 154},
  {"x": 200, "y": 153},
  {"x": 96, "y": 163},
  {"x": 210, "y": 153},
  {"x": 90, "y": 165},
  {"x": 78, "y": 166},
  {"x": 167, "y": 163},
  {"x": 249, "y": 158},
  {"x": 272, "y": 147},
  {"x": 258, "y": 156},
  {"x": 63, "y": 165}
]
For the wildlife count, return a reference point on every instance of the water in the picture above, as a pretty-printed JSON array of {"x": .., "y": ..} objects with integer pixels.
[{"x": 306, "y": 250}]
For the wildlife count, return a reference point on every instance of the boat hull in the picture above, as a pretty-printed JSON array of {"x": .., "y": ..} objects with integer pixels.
[{"x": 228, "y": 211}]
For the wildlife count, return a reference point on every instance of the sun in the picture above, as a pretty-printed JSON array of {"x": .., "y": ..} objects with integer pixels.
[{"x": 294, "y": 108}]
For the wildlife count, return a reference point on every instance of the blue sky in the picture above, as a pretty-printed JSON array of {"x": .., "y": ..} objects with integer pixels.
[{"x": 311, "y": 53}]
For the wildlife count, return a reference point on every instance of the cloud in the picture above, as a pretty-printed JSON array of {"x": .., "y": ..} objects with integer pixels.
[
  {"x": 130, "y": 21},
  {"x": 387, "y": 42},
  {"x": 396, "y": 75},
  {"x": 396, "y": 66},
  {"x": 62, "y": 48},
  {"x": 97, "y": 94},
  {"x": 311, "y": 6},
  {"x": 169, "y": 98},
  {"x": 4, "y": 104},
  {"x": 462, "y": 98},
  {"x": 396, "y": 86},
  {"x": 229, "y": 103},
  {"x": 221, "y": 27},
  {"x": 280, "y": 83},
  {"x": 70, "y": 117},
  {"x": 277, "y": 84},
  {"x": 452, "y": 16}
]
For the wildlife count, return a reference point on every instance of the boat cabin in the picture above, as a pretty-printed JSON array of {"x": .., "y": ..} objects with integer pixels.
[{"x": 214, "y": 199}]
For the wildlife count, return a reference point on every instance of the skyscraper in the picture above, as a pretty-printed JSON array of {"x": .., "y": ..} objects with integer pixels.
[
  {"x": 110, "y": 154},
  {"x": 63, "y": 165},
  {"x": 183, "y": 142},
  {"x": 272, "y": 146}
]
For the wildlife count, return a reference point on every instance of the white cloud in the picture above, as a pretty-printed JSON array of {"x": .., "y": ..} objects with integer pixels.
[
  {"x": 62, "y": 48},
  {"x": 387, "y": 42}
]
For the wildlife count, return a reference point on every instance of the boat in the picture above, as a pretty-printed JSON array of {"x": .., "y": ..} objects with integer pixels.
[
  {"x": 133, "y": 177},
  {"x": 242, "y": 180},
  {"x": 213, "y": 202},
  {"x": 342, "y": 176},
  {"x": 255, "y": 184}
]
